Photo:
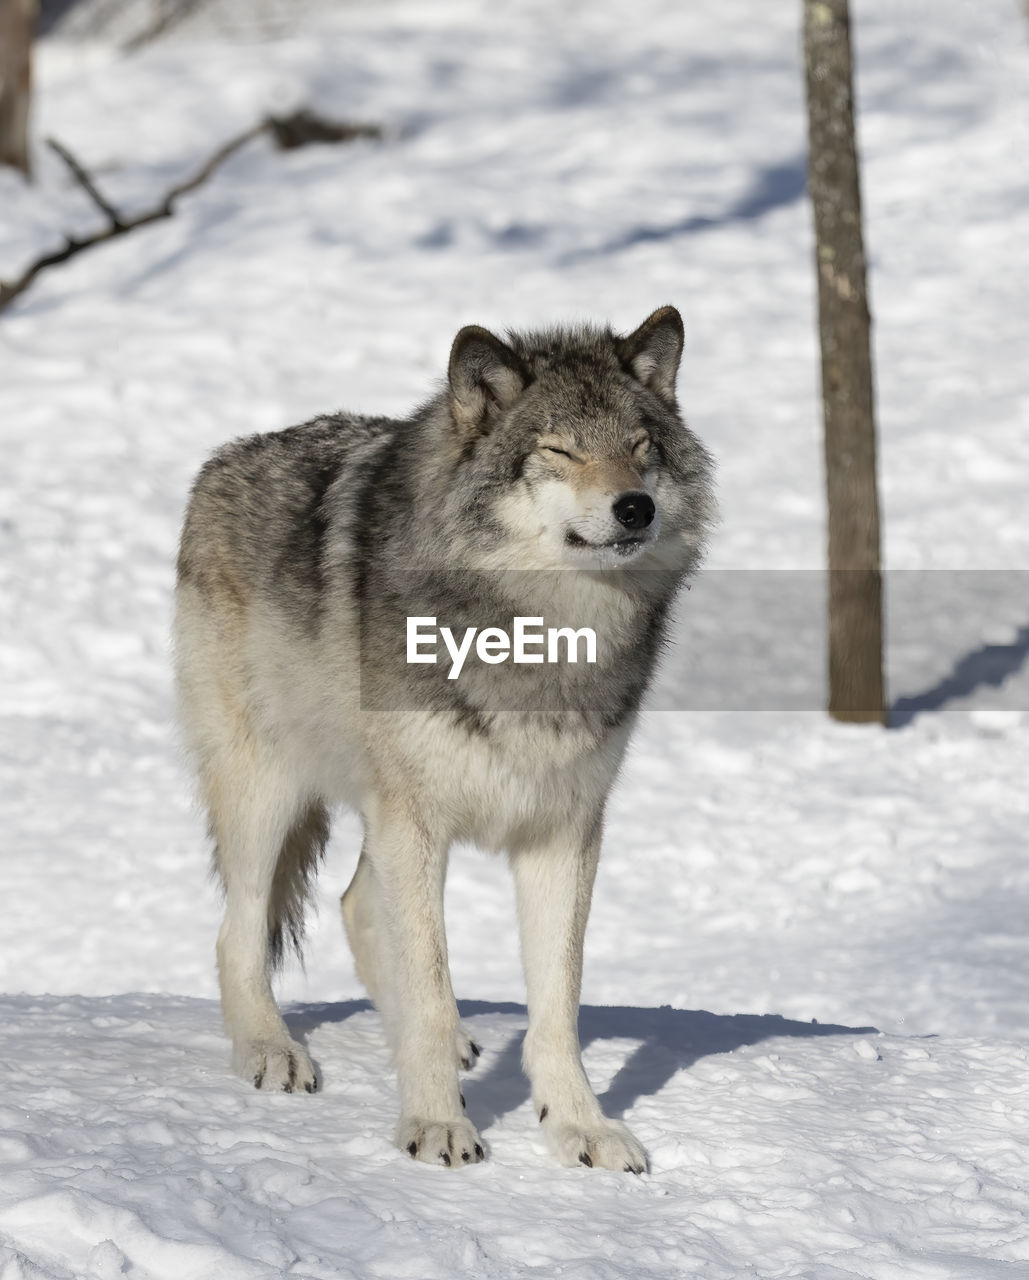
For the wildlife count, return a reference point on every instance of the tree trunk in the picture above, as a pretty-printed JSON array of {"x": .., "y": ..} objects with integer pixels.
[
  {"x": 856, "y": 690},
  {"x": 17, "y": 21}
]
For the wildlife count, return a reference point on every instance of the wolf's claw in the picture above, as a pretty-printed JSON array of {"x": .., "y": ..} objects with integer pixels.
[
  {"x": 277, "y": 1068},
  {"x": 449, "y": 1143},
  {"x": 467, "y": 1050},
  {"x": 606, "y": 1145}
]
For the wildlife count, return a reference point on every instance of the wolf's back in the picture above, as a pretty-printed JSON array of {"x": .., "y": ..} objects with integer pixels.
[{"x": 256, "y": 520}]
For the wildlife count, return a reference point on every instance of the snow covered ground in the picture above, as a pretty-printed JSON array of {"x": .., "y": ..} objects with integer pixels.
[{"x": 764, "y": 868}]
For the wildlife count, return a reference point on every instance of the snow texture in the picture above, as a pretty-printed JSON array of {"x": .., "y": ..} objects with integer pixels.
[{"x": 763, "y": 868}]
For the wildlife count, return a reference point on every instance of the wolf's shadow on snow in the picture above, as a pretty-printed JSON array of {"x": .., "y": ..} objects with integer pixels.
[{"x": 670, "y": 1041}]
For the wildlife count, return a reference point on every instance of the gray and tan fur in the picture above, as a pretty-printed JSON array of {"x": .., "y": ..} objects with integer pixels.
[{"x": 552, "y": 477}]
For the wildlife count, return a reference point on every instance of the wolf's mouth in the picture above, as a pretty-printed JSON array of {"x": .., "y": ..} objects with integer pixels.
[{"x": 620, "y": 546}]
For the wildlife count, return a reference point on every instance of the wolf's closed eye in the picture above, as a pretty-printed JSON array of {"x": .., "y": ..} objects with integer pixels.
[{"x": 558, "y": 452}]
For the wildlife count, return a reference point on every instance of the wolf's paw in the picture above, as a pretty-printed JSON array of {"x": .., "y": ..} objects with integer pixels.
[
  {"x": 277, "y": 1067},
  {"x": 607, "y": 1145},
  {"x": 467, "y": 1050},
  {"x": 447, "y": 1142}
]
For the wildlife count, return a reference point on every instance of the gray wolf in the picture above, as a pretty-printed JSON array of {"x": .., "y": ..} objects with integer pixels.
[{"x": 552, "y": 478}]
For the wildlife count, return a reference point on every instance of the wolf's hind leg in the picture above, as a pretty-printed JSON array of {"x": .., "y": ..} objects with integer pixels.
[
  {"x": 554, "y": 884},
  {"x": 357, "y": 908},
  {"x": 267, "y": 843}
]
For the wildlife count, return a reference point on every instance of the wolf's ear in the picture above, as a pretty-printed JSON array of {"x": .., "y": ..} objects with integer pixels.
[
  {"x": 653, "y": 352},
  {"x": 486, "y": 377}
]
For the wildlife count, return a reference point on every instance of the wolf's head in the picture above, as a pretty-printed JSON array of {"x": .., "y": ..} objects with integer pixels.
[{"x": 571, "y": 450}]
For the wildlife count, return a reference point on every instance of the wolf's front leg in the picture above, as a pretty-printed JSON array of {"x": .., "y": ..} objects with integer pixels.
[
  {"x": 554, "y": 885},
  {"x": 407, "y": 870}
]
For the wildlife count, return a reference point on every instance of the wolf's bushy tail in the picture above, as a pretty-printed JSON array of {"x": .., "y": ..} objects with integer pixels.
[{"x": 295, "y": 870}]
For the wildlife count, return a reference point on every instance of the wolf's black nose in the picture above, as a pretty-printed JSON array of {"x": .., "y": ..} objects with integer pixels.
[{"x": 634, "y": 510}]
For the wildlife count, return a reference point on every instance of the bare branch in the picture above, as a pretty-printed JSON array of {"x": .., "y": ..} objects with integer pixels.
[
  {"x": 85, "y": 181},
  {"x": 297, "y": 130},
  {"x": 216, "y": 159}
]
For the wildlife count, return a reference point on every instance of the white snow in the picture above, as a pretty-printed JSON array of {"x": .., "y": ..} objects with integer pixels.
[{"x": 764, "y": 867}]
